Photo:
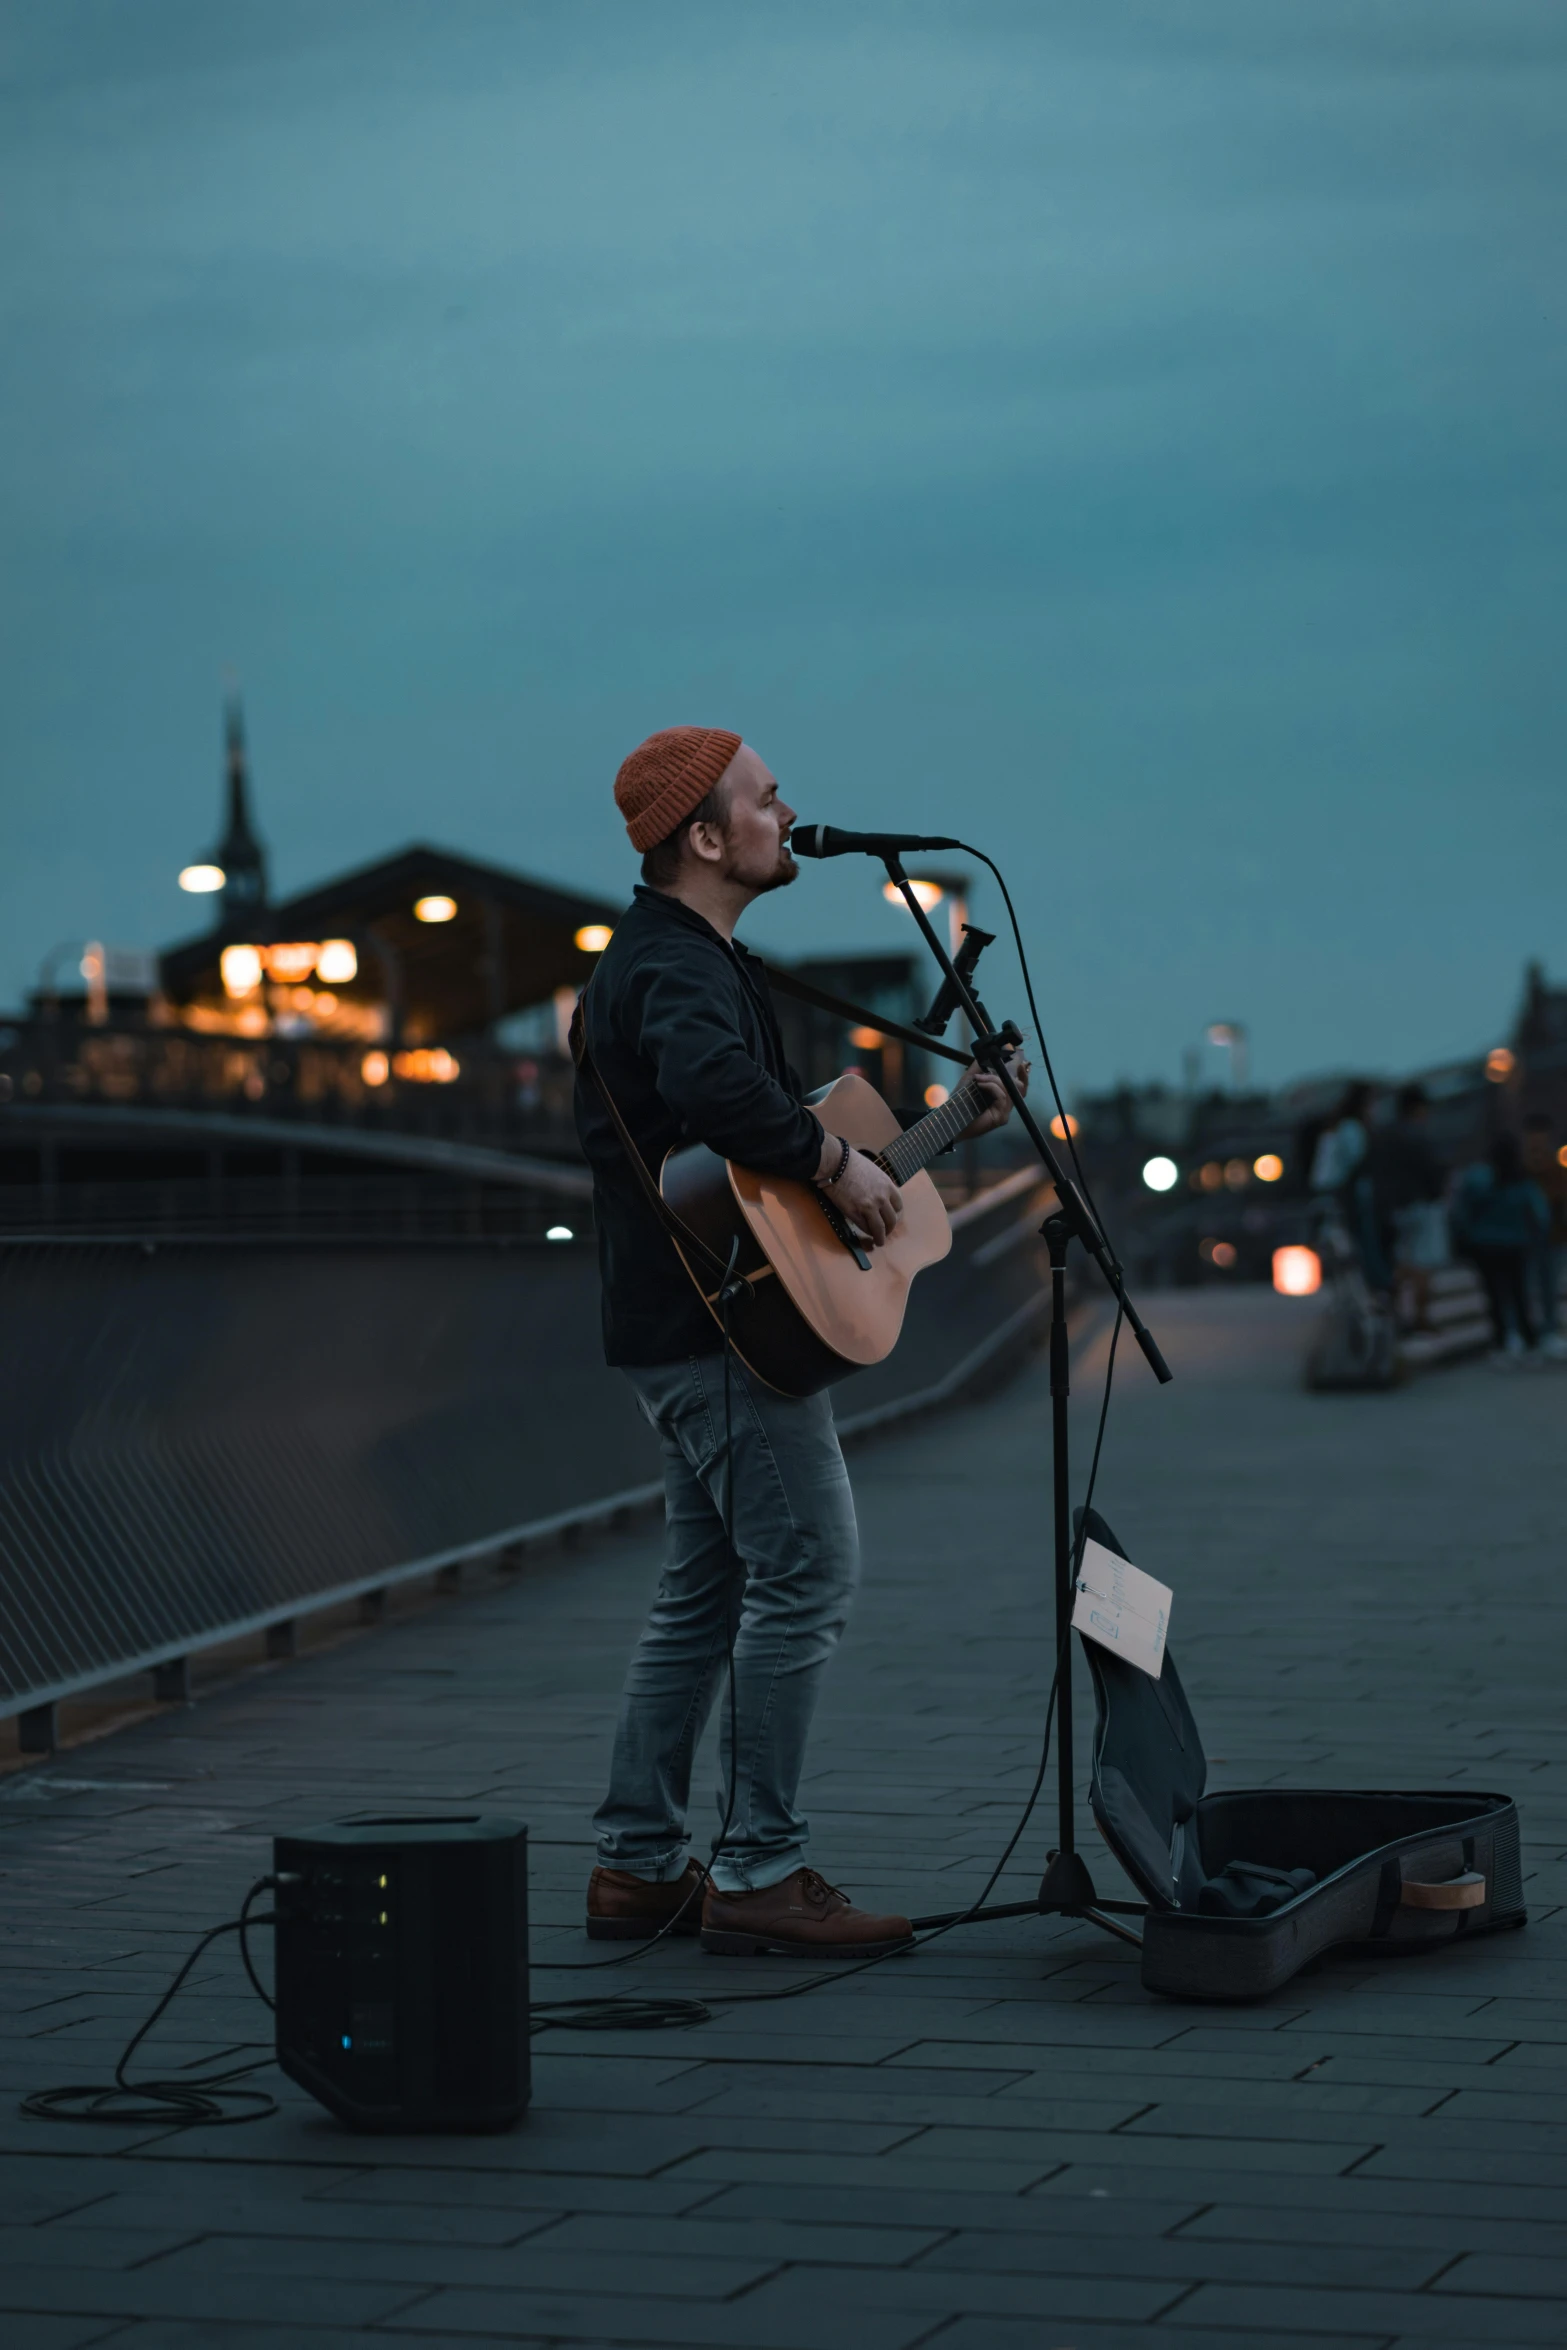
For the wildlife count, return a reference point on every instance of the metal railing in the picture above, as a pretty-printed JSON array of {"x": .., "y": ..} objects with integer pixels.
[{"x": 206, "y": 1437}]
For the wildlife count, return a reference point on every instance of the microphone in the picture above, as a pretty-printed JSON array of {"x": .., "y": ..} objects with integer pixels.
[{"x": 825, "y": 840}]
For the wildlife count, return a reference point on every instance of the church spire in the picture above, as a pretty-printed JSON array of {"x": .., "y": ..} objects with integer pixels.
[{"x": 240, "y": 853}]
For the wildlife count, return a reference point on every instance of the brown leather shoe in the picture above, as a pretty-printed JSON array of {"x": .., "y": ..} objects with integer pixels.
[
  {"x": 804, "y": 1917},
  {"x": 624, "y": 1908}
]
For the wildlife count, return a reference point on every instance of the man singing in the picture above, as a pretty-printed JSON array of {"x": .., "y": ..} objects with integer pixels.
[{"x": 681, "y": 1034}]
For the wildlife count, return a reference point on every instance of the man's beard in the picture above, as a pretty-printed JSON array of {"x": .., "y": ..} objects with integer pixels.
[{"x": 785, "y": 871}]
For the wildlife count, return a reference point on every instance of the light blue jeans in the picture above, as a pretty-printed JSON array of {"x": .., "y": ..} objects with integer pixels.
[{"x": 784, "y": 1603}]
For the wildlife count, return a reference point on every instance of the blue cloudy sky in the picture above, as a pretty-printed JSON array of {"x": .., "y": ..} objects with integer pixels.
[{"x": 1129, "y": 435}]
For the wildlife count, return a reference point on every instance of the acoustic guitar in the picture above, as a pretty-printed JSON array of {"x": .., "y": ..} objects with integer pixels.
[{"x": 821, "y": 1302}]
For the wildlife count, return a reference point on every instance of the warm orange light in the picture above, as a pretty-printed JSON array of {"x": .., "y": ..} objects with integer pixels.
[
  {"x": 593, "y": 937},
  {"x": 935, "y": 1095},
  {"x": 1221, "y": 1253},
  {"x": 338, "y": 961},
  {"x": 241, "y": 969},
  {"x": 1236, "y": 1174},
  {"x": 1297, "y": 1272},
  {"x": 293, "y": 962},
  {"x": 1268, "y": 1168},
  {"x": 1062, "y": 1129},
  {"x": 1561, "y": 1156},
  {"x": 927, "y": 893},
  {"x": 375, "y": 1068},
  {"x": 436, "y": 909},
  {"x": 866, "y": 1040},
  {"x": 1211, "y": 1176},
  {"x": 1500, "y": 1064},
  {"x": 426, "y": 1065}
]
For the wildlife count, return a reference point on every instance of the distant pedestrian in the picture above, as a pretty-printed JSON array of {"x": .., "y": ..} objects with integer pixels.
[
  {"x": 1341, "y": 1178},
  {"x": 1546, "y": 1165},
  {"x": 1499, "y": 1221},
  {"x": 1407, "y": 1184}
]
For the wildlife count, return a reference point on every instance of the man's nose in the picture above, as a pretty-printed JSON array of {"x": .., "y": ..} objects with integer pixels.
[{"x": 785, "y": 815}]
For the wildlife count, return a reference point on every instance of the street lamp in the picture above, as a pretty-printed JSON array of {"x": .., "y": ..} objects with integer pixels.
[{"x": 929, "y": 891}]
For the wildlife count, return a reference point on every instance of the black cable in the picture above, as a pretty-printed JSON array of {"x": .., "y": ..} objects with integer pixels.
[
  {"x": 211, "y": 2097},
  {"x": 1044, "y": 1050},
  {"x": 205, "y": 2097}
]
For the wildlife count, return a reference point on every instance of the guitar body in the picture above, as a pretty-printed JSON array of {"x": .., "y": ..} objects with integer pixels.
[{"x": 814, "y": 1314}]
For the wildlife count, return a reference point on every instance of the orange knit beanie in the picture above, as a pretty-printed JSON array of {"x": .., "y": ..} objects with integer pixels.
[{"x": 669, "y": 775}]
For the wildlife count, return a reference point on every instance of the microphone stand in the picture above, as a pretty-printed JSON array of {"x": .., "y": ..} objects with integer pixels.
[{"x": 1066, "y": 1889}]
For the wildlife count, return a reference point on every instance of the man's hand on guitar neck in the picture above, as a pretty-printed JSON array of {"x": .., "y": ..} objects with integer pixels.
[
  {"x": 864, "y": 1194},
  {"x": 998, "y": 1102}
]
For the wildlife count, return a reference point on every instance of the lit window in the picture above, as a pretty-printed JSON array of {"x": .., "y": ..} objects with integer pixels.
[
  {"x": 1297, "y": 1272},
  {"x": 241, "y": 969},
  {"x": 1268, "y": 1168},
  {"x": 1161, "y": 1174},
  {"x": 337, "y": 962},
  {"x": 560, "y": 1232},
  {"x": 375, "y": 1069},
  {"x": 201, "y": 879},
  {"x": 1500, "y": 1064},
  {"x": 436, "y": 909},
  {"x": 928, "y": 895},
  {"x": 427, "y": 1065},
  {"x": 935, "y": 1095},
  {"x": 293, "y": 962},
  {"x": 593, "y": 937}
]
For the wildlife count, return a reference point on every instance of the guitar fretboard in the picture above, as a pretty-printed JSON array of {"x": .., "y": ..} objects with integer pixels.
[{"x": 922, "y": 1143}]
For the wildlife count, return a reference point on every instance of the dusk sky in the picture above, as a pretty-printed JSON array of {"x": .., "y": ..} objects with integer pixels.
[{"x": 1130, "y": 436}]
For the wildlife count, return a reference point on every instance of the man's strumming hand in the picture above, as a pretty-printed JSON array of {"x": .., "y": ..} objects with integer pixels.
[{"x": 866, "y": 1196}]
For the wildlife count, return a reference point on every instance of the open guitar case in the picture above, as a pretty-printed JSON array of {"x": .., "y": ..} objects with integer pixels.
[{"x": 1246, "y": 1888}]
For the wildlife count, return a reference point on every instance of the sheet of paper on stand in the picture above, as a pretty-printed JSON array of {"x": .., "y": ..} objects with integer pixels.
[{"x": 1122, "y": 1608}]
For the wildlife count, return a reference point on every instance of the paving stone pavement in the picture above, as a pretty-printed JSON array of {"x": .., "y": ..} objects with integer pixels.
[{"x": 1001, "y": 2140}]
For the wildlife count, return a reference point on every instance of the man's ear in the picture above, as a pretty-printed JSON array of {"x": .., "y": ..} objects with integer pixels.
[{"x": 707, "y": 843}]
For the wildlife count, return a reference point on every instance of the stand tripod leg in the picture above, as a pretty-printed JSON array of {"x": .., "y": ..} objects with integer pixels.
[{"x": 1066, "y": 1885}]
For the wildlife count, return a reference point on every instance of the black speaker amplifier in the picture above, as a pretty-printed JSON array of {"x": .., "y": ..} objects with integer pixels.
[{"x": 402, "y": 1970}]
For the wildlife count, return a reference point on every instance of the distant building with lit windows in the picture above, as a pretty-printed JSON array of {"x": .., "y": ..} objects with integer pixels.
[{"x": 425, "y": 995}]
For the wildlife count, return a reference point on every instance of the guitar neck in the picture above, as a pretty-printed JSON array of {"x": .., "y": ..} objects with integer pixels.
[{"x": 924, "y": 1142}]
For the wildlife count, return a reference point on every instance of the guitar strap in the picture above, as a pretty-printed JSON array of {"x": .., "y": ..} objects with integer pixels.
[{"x": 677, "y": 1228}]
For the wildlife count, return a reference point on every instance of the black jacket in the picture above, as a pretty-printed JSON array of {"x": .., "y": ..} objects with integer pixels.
[{"x": 682, "y": 1030}]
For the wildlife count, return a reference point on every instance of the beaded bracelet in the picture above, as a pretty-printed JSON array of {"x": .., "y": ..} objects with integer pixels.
[{"x": 829, "y": 1180}]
